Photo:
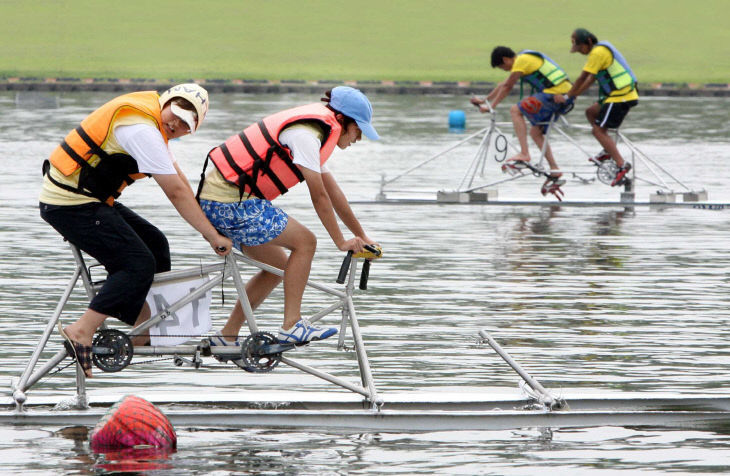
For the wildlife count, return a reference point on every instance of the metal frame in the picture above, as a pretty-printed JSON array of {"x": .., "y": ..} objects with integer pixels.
[
  {"x": 493, "y": 140},
  {"x": 407, "y": 412},
  {"x": 221, "y": 271}
]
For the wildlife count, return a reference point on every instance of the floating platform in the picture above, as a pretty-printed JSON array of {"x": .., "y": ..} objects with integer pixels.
[
  {"x": 400, "y": 412},
  {"x": 548, "y": 203}
]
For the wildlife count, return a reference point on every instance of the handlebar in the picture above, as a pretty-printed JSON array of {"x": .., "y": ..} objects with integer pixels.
[
  {"x": 343, "y": 269},
  {"x": 373, "y": 253}
]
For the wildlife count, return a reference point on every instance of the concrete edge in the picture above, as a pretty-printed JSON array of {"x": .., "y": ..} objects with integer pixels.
[{"x": 300, "y": 86}]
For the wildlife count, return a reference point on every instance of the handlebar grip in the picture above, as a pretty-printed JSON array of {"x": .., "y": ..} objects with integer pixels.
[
  {"x": 344, "y": 268},
  {"x": 373, "y": 250},
  {"x": 364, "y": 274}
]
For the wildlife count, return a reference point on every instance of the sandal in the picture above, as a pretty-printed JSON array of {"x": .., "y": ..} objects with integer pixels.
[
  {"x": 552, "y": 185},
  {"x": 513, "y": 166},
  {"x": 81, "y": 352}
]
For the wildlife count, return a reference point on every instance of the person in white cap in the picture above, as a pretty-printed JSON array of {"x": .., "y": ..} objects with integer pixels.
[
  {"x": 261, "y": 163},
  {"x": 120, "y": 142}
]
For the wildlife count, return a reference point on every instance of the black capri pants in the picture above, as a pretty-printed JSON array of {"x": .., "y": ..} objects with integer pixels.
[{"x": 130, "y": 248}]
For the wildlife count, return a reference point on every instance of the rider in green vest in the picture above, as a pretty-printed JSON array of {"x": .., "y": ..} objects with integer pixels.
[
  {"x": 617, "y": 94},
  {"x": 547, "y": 80}
]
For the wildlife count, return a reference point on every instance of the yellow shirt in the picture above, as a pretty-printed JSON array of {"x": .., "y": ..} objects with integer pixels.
[
  {"x": 600, "y": 58},
  {"x": 54, "y": 195},
  {"x": 528, "y": 64}
]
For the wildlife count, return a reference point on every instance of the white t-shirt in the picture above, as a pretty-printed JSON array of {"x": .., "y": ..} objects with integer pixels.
[
  {"x": 146, "y": 145},
  {"x": 305, "y": 146}
]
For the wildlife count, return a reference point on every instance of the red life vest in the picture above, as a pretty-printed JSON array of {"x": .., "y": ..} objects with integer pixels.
[
  {"x": 82, "y": 153},
  {"x": 257, "y": 163}
]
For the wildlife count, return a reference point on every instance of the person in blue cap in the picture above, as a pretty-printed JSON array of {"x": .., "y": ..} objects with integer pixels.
[{"x": 261, "y": 163}]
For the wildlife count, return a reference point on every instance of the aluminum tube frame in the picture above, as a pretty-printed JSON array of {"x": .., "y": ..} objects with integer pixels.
[
  {"x": 543, "y": 395},
  {"x": 560, "y": 125},
  {"x": 228, "y": 269}
]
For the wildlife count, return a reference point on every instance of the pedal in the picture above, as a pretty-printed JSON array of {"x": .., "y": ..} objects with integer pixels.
[
  {"x": 196, "y": 361},
  {"x": 514, "y": 167},
  {"x": 553, "y": 186}
]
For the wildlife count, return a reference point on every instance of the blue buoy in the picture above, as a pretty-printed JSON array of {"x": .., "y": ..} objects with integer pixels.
[{"x": 457, "y": 121}]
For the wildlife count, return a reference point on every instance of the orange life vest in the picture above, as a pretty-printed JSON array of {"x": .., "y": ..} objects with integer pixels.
[
  {"x": 99, "y": 174},
  {"x": 256, "y": 162}
]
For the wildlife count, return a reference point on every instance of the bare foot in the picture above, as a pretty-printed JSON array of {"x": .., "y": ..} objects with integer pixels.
[
  {"x": 519, "y": 158},
  {"x": 81, "y": 352},
  {"x": 555, "y": 175}
]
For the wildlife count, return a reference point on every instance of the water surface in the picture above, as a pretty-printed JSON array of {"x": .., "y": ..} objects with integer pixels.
[{"x": 590, "y": 300}]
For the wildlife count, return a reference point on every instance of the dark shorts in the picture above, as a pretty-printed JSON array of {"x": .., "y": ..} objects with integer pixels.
[
  {"x": 130, "y": 248},
  {"x": 540, "y": 109},
  {"x": 612, "y": 114}
]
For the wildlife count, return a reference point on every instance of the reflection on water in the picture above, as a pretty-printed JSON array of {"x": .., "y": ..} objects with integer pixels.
[
  {"x": 518, "y": 452},
  {"x": 587, "y": 299}
]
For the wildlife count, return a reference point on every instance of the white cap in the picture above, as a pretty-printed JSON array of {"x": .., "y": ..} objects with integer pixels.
[
  {"x": 187, "y": 116},
  {"x": 195, "y": 94}
]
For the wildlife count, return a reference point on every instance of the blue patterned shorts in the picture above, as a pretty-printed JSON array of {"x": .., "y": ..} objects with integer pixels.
[
  {"x": 249, "y": 222},
  {"x": 539, "y": 109}
]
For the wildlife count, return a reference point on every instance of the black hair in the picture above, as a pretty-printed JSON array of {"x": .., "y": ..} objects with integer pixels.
[
  {"x": 499, "y": 54},
  {"x": 327, "y": 98},
  {"x": 584, "y": 37}
]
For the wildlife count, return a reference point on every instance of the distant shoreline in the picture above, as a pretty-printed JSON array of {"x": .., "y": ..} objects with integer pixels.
[{"x": 302, "y": 86}]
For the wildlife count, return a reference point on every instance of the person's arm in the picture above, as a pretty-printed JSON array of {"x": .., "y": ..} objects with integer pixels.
[
  {"x": 583, "y": 82},
  {"x": 342, "y": 207},
  {"x": 146, "y": 145},
  {"x": 181, "y": 196},
  {"x": 499, "y": 93},
  {"x": 324, "y": 208},
  {"x": 182, "y": 175}
]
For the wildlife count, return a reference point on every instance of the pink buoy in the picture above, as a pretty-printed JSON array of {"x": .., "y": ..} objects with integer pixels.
[{"x": 131, "y": 422}]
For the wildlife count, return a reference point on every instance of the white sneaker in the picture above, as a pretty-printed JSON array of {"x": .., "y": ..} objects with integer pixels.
[
  {"x": 303, "y": 332},
  {"x": 217, "y": 340}
]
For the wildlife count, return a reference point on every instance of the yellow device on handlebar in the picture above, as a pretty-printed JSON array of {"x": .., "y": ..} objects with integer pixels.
[{"x": 370, "y": 252}]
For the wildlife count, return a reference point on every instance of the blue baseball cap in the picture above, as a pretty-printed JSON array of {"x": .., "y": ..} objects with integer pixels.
[{"x": 353, "y": 103}]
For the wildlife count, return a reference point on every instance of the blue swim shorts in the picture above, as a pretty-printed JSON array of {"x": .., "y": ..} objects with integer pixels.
[
  {"x": 250, "y": 222},
  {"x": 539, "y": 109}
]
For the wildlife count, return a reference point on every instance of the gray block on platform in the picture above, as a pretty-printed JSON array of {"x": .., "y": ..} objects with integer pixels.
[
  {"x": 466, "y": 197},
  {"x": 660, "y": 197},
  {"x": 698, "y": 196}
]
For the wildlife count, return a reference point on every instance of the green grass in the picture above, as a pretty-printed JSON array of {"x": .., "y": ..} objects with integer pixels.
[{"x": 407, "y": 40}]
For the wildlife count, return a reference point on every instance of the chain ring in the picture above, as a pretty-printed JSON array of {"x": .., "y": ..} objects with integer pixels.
[
  {"x": 607, "y": 171},
  {"x": 121, "y": 346},
  {"x": 250, "y": 354}
]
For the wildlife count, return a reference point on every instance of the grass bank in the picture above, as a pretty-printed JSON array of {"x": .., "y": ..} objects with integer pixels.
[{"x": 405, "y": 40}]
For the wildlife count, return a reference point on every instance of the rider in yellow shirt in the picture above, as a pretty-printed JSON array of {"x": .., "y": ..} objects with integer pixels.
[
  {"x": 546, "y": 80},
  {"x": 617, "y": 94}
]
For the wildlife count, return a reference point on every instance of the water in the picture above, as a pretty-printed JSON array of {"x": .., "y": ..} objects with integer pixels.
[{"x": 590, "y": 300}]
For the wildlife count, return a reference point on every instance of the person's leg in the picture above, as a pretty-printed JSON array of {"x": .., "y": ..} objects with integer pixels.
[
  {"x": 258, "y": 287},
  {"x": 592, "y": 112},
  {"x": 155, "y": 240},
  {"x": 101, "y": 232},
  {"x": 157, "y": 243},
  {"x": 518, "y": 121},
  {"x": 610, "y": 116},
  {"x": 302, "y": 243},
  {"x": 596, "y": 114},
  {"x": 539, "y": 138},
  {"x": 609, "y": 145}
]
